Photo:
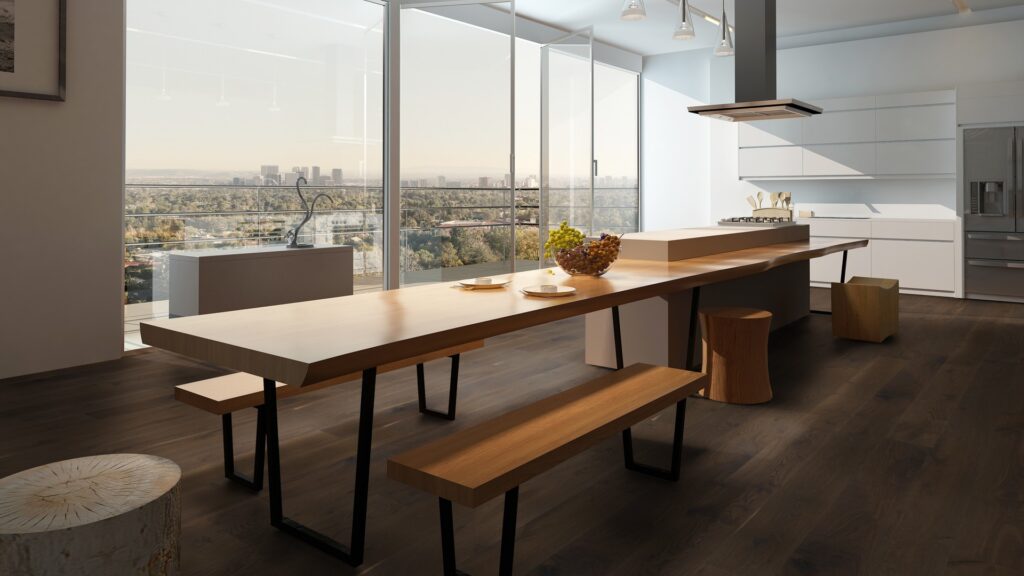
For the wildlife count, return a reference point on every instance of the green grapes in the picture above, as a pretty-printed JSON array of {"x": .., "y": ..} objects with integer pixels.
[{"x": 564, "y": 237}]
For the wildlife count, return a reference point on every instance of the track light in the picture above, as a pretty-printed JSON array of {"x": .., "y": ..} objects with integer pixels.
[{"x": 725, "y": 46}]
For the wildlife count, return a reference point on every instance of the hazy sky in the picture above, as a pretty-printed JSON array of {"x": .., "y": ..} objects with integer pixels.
[{"x": 299, "y": 82}]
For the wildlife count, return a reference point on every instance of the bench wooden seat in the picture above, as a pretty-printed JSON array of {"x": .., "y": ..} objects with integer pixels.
[
  {"x": 233, "y": 392},
  {"x": 477, "y": 464}
]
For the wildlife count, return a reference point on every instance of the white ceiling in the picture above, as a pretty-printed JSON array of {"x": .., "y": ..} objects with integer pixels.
[{"x": 795, "y": 18}]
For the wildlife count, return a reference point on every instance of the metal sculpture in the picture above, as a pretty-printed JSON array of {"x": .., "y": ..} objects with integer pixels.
[{"x": 293, "y": 235}]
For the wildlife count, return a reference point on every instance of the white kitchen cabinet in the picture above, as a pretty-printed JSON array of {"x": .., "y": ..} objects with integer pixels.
[
  {"x": 839, "y": 227},
  {"x": 915, "y": 99},
  {"x": 771, "y": 133},
  {"x": 918, "y": 265},
  {"x": 771, "y": 162},
  {"x": 839, "y": 127},
  {"x": 917, "y": 158},
  {"x": 916, "y": 123},
  {"x": 938, "y": 230},
  {"x": 839, "y": 160},
  {"x": 827, "y": 268}
]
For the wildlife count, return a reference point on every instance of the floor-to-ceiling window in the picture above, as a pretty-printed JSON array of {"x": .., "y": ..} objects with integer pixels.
[
  {"x": 229, "y": 103},
  {"x": 616, "y": 150}
]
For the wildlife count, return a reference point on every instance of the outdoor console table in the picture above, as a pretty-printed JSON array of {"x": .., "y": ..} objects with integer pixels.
[{"x": 337, "y": 336}]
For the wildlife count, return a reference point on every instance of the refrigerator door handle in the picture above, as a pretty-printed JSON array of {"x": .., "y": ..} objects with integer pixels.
[
  {"x": 996, "y": 264},
  {"x": 994, "y": 236}
]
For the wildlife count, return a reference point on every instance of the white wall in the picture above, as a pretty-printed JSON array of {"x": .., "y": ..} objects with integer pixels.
[
  {"x": 923, "y": 61},
  {"x": 674, "y": 143},
  {"x": 60, "y": 206}
]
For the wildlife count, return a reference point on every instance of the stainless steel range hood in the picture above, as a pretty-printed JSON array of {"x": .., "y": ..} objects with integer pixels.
[{"x": 755, "y": 71}]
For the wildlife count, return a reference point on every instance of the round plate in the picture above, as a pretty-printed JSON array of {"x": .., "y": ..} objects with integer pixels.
[
  {"x": 475, "y": 284},
  {"x": 559, "y": 291}
]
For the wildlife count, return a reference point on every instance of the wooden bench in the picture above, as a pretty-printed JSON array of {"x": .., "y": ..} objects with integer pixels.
[
  {"x": 477, "y": 464},
  {"x": 224, "y": 395}
]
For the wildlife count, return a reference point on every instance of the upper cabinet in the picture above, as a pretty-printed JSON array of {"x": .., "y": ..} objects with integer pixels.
[{"x": 890, "y": 136}]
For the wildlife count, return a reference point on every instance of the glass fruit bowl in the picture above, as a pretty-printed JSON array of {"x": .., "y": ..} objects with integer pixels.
[{"x": 590, "y": 258}]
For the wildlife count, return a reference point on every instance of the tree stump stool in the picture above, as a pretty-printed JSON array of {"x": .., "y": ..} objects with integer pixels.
[
  {"x": 116, "y": 514},
  {"x": 736, "y": 354}
]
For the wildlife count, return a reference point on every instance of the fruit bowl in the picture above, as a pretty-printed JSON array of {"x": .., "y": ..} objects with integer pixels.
[{"x": 590, "y": 259}]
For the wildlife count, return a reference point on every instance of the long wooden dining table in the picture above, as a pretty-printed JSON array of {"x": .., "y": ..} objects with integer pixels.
[{"x": 307, "y": 342}]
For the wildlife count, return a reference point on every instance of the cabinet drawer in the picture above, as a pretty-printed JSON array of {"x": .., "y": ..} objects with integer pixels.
[
  {"x": 916, "y": 264},
  {"x": 839, "y": 160},
  {"x": 827, "y": 268},
  {"x": 770, "y": 133},
  {"x": 916, "y": 123},
  {"x": 777, "y": 161},
  {"x": 928, "y": 157},
  {"x": 839, "y": 228},
  {"x": 836, "y": 127},
  {"x": 943, "y": 231}
]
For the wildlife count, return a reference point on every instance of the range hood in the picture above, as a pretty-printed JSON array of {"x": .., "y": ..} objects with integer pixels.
[{"x": 755, "y": 71}]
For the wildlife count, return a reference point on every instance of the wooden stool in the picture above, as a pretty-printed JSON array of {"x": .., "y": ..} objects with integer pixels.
[
  {"x": 866, "y": 309},
  {"x": 99, "y": 515},
  {"x": 736, "y": 354}
]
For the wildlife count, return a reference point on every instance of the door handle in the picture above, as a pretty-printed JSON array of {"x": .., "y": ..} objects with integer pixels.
[
  {"x": 982, "y": 236},
  {"x": 595, "y": 167},
  {"x": 996, "y": 264}
]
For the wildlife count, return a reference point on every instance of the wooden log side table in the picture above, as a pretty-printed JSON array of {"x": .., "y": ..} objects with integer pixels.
[
  {"x": 99, "y": 515},
  {"x": 736, "y": 354},
  {"x": 866, "y": 309}
]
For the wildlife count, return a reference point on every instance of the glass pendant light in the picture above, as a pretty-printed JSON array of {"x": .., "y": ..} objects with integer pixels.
[
  {"x": 684, "y": 31},
  {"x": 634, "y": 10},
  {"x": 724, "y": 47}
]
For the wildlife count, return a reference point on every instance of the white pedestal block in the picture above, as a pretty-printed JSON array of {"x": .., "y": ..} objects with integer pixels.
[{"x": 208, "y": 281}]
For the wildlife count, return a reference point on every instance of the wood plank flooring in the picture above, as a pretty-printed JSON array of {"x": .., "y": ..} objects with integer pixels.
[{"x": 903, "y": 458}]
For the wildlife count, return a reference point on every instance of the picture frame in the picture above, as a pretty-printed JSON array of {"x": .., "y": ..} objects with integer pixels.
[{"x": 33, "y": 49}]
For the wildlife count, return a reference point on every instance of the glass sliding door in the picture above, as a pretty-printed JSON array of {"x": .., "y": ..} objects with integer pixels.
[
  {"x": 457, "y": 174},
  {"x": 616, "y": 150},
  {"x": 229, "y": 103},
  {"x": 567, "y": 134}
]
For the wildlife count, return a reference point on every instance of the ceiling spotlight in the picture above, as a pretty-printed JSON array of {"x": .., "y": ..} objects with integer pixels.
[
  {"x": 724, "y": 47},
  {"x": 684, "y": 30},
  {"x": 634, "y": 10}
]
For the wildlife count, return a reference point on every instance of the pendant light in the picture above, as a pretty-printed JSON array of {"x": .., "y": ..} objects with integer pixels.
[
  {"x": 724, "y": 47},
  {"x": 684, "y": 30},
  {"x": 634, "y": 10}
]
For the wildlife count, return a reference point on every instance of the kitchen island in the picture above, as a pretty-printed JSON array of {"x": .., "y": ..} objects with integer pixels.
[{"x": 655, "y": 330}]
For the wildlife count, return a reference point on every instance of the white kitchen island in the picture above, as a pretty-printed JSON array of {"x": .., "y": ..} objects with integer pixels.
[{"x": 655, "y": 330}]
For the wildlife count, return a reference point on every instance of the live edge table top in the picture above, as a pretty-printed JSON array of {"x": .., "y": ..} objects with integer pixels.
[{"x": 308, "y": 342}]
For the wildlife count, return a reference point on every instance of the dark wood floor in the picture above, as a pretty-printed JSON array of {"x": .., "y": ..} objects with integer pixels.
[{"x": 903, "y": 458}]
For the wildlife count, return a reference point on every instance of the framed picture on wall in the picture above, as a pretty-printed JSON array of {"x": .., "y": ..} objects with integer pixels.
[{"x": 33, "y": 45}]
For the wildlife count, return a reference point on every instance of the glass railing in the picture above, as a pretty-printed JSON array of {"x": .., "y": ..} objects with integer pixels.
[{"x": 446, "y": 233}]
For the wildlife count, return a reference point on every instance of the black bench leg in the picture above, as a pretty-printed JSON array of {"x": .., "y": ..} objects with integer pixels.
[
  {"x": 617, "y": 334},
  {"x": 677, "y": 449},
  {"x": 508, "y": 535},
  {"x": 256, "y": 481},
  {"x": 453, "y": 391},
  {"x": 353, "y": 553}
]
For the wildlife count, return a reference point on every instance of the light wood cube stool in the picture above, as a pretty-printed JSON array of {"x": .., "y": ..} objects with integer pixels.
[
  {"x": 736, "y": 354},
  {"x": 117, "y": 514},
  {"x": 866, "y": 309}
]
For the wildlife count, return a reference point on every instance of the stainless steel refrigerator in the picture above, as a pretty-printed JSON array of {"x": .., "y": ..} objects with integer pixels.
[{"x": 994, "y": 213}]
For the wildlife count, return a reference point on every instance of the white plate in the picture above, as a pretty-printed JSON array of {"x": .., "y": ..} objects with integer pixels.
[
  {"x": 476, "y": 284},
  {"x": 553, "y": 292}
]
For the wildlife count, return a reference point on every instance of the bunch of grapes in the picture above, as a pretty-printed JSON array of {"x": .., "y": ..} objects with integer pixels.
[
  {"x": 565, "y": 237},
  {"x": 592, "y": 258}
]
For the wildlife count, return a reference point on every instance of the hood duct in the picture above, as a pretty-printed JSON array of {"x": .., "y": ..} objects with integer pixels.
[{"x": 755, "y": 71}]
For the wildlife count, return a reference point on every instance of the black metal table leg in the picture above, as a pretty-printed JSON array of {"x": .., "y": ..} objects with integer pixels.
[
  {"x": 842, "y": 280},
  {"x": 453, "y": 391},
  {"x": 691, "y": 339},
  {"x": 508, "y": 535},
  {"x": 353, "y": 553},
  {"x": 677, "y": 449},
  {"x": 617, "y": 334},
  {"x": 255, "y": 482}
]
